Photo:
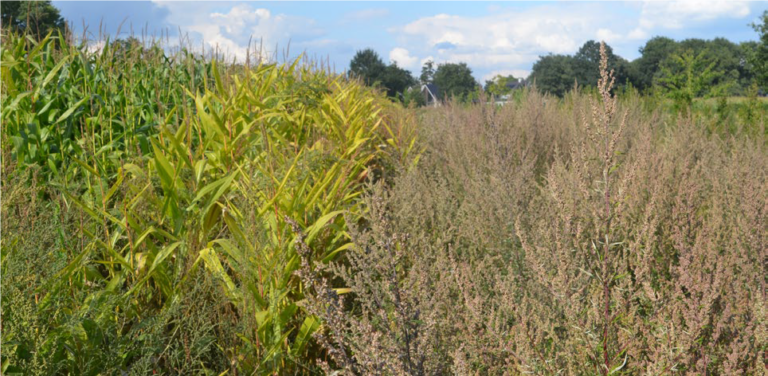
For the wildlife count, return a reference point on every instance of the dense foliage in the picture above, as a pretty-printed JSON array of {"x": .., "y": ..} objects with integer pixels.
[
  {"x": 368, "y": 66},
  {"x": 759, "y": 57},
  {"x": 731, "y": 68},
  {"x": 454, "y": 80},
  {"x": 145, "y": 200},
  {"x": 36, "y": 17},
  {"x": 171, "y": 214},
  {"x": 499, "y": 85}
]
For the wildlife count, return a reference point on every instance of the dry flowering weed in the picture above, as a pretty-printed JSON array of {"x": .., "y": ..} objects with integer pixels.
[{"x": 581, "y": 237}]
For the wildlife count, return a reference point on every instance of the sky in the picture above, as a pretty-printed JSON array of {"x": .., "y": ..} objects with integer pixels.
[{"x": 491, "y": 37}]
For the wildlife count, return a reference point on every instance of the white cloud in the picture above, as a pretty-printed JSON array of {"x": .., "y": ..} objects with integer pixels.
[
  {"x": 364, "y": 15},
  {"x": 607, "y": 35},
  {"x": 675, "y": 14},
  {"x": 681, "y": 13},
  {"x": 513, "y": 39},
  {"x": 232, "y": 31},
  {"x": 95, "y": 48},
  {"x": 517, "y": 73},
  {"x": 507, "y": 38},
  {"x": 403, "y": 57},
  {"x": 637, "y": 33},
  {"x": 426, "y": 59}
]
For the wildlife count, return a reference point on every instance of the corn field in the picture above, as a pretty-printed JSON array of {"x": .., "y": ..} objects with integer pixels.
[{"x": 165, "y": 170}]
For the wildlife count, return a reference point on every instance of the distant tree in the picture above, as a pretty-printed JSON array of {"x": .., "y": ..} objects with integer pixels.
[
  {"x": 498, "y": 85},
  {"x": 586, "y": 64},
  {"x": 655, "y": 51},
  {"x": 454, "y": 80},
  {"x": 694, "y": 44},
  {"x": 368, "y": 66},
  {"x": 748, "y": 65},
  {"x": 759, "y": 58},
  {"x": 34, "y": 17},
  {"x": 413, "y": 96},
  {"x": 553, "y": 74},
  {"x": 688, "y": 75},
  {"x": 396, "y": 80},
  {"x": 427, "y": 72},
  {"x": 729, "y": 60},
  {"x": 726, "y": 58}
]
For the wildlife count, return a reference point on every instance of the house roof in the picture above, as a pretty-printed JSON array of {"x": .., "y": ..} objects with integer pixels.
[
  {"x": 432, "y": 89},
  {"x": 517, "y": 84}
]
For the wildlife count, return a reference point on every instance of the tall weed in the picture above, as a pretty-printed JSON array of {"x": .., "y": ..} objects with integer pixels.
[{"x": 579, "y": 237}]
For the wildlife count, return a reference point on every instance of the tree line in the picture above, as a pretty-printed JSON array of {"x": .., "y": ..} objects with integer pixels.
[
  {"x": 453, "y": 79},
  {"x": 37, "y": 18},
  {"x": 683, "y": 70}
]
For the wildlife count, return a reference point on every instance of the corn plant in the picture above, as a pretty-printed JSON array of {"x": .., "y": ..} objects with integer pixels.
[{"x": 175, "y": 167}]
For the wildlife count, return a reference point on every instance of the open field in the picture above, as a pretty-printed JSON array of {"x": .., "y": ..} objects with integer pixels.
[{"x": 169, "y": 214}]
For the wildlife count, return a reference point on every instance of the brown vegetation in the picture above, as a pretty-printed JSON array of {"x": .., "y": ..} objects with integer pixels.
[{"x": 583, "y": 237}]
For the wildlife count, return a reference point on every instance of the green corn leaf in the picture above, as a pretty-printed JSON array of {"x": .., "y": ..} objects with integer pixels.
[
  {"x": 52, "y": 73},
  {"x": 70, "y": 111}
]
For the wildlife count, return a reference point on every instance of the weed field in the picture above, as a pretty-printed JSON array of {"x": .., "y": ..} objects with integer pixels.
[{"x": 165, "y": 213}]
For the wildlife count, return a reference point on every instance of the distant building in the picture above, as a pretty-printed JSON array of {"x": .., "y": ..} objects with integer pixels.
[
  {"x": 513, "y": 85},
  {"x": 430, "y": 93},
  {"x": 518, "y": 84}
]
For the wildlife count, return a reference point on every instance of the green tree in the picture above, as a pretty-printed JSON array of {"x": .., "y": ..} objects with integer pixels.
[
  {"x": 413, "y": 96},
  {"x": 586, "y": 64},
  {"x": 498, "y": 85},
  {"x": 729, "y": 59},
  {"x": 687, "y": 76},
  {"x": 747, "y": 69},
  {"x": 427, "y": 72},
  {"x": 759, "y": 59},
  {"x": 553, "y": 74},
  {"x": 35, "y": 17},
  {"x": 454, "y": 80},
  {"x": 368, "y": 66},
  {"x": 724, "y": 54},
  {"x": 396, "y": 80},
  {"x": 648, "y": 65}
]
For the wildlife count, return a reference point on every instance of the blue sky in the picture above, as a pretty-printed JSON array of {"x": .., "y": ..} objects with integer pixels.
[{"x": 491, "y": 37}]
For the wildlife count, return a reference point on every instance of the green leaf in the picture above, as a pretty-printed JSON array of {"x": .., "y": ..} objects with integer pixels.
[
  {"x": 52, "y": 73},
  {"x": 213, "y": 265},
  {"x": 164, "y": 169},
  {"x": 69, "y": 112},
  {"x": 314, "y": 230}
]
